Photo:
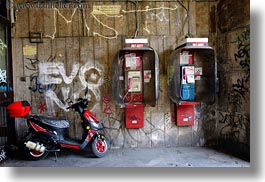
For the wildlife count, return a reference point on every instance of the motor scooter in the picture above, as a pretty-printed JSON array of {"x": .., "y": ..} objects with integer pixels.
[{"x": 48, "y": 134}]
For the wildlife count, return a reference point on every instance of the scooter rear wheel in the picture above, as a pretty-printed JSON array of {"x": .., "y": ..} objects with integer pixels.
[
  {"x": 33, "y": 154},
  {"x": 100, "y": 147}
]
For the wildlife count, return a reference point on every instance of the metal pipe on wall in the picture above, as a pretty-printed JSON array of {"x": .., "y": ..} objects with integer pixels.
[{"x": 136, "y": 18}]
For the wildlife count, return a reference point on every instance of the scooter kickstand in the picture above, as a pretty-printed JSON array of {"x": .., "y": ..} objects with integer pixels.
[{"x": 56, "y": 156}]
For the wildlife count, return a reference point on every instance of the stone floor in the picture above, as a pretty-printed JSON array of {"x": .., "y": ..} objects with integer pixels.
[{"x": 138, "y": 157}]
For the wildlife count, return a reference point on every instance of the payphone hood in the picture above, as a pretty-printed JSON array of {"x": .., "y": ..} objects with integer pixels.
[{"x": 150, "y": 61}]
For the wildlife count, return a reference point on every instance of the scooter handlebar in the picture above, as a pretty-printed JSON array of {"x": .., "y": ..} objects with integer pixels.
[{"x": 81, "y": 102}]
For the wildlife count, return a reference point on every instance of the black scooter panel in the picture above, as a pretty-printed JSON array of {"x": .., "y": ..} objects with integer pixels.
[{"x": 53, "y": 122}]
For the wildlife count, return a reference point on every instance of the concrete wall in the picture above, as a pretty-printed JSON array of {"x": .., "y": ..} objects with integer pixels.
[
  {"x": 233, "y": 50},
  {"x": 81, "y": 52}
]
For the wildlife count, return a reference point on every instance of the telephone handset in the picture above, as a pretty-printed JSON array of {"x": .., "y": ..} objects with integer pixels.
[{"x": 134, "y": 81}]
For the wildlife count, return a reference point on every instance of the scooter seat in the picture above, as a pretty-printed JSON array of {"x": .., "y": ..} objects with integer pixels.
[{"x": 53, "y": 121}]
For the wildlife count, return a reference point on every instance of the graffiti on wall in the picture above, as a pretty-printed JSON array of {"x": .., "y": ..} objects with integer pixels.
[
  {"x": 50, "y": 80},
  {"x": 242, "y": 56},
  {"x": 106, "y": 105},
  {"x": 3, "y": 46},
  {"x": 3, "y": 83},
  {"x": 240, "y": 88},
  {"x": 32, "y": 65},
  {"x": 207, "y": 114},
  {"x": 162, "y": 14},
  {"x": 2, "y": 76},
  {"x": 158, "y": 13},
  {"x": 54, "y": 73},
  {"x": 235, "y": 126},
  {"x": 42, "y": 107},
  {"x": 158, "y": 16},
  {"x": 120, "y": 137},
  {"x": 36, "y": 86},
  {"x": 2, "y": 154},
  {"x": 235, "y": 121},
  {"x": 49, "y": 71}
]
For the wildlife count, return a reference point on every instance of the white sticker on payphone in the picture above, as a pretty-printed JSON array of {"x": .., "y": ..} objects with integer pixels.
[
  {"x": 190, "y": 79},
  {"x": 189, "y": 70},
  {"x": 147, "y": 76},
  {"x": 185, "y": 57},
  {"x": 132, "y": 61}
]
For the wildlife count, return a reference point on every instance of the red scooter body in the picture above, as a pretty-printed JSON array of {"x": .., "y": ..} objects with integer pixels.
[{"x": 49, "y": 134}]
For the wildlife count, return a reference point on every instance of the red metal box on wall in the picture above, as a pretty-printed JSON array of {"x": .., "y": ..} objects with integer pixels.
[
  {"x": 134, "y": 116},
  {"x": 18, "y": 109},
  {"x": 185, "y": 113}
]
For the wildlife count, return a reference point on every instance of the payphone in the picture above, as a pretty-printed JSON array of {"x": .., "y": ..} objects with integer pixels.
[
  {"x": 191, "y": 77},
  {"x": 133, "y": 77},
  {"x": 135, "y": 80}
]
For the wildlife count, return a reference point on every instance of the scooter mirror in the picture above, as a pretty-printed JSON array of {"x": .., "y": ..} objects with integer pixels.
[
  {"x": 69, "y": 101},
  {"x": 86, "y": 91}
]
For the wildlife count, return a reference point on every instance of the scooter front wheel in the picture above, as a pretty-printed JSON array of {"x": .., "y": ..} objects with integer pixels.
[{"x": 100, "y": 147}]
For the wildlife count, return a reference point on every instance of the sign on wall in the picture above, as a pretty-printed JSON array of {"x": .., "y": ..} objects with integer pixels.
[
  {"x": 107, "y": 10},
  {"x": 29, "y": 50}
]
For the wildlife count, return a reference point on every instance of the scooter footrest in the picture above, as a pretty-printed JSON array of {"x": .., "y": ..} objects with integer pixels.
[
  {"x": 70, "y": 142},
  {"x": 54, "y": 150}
]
